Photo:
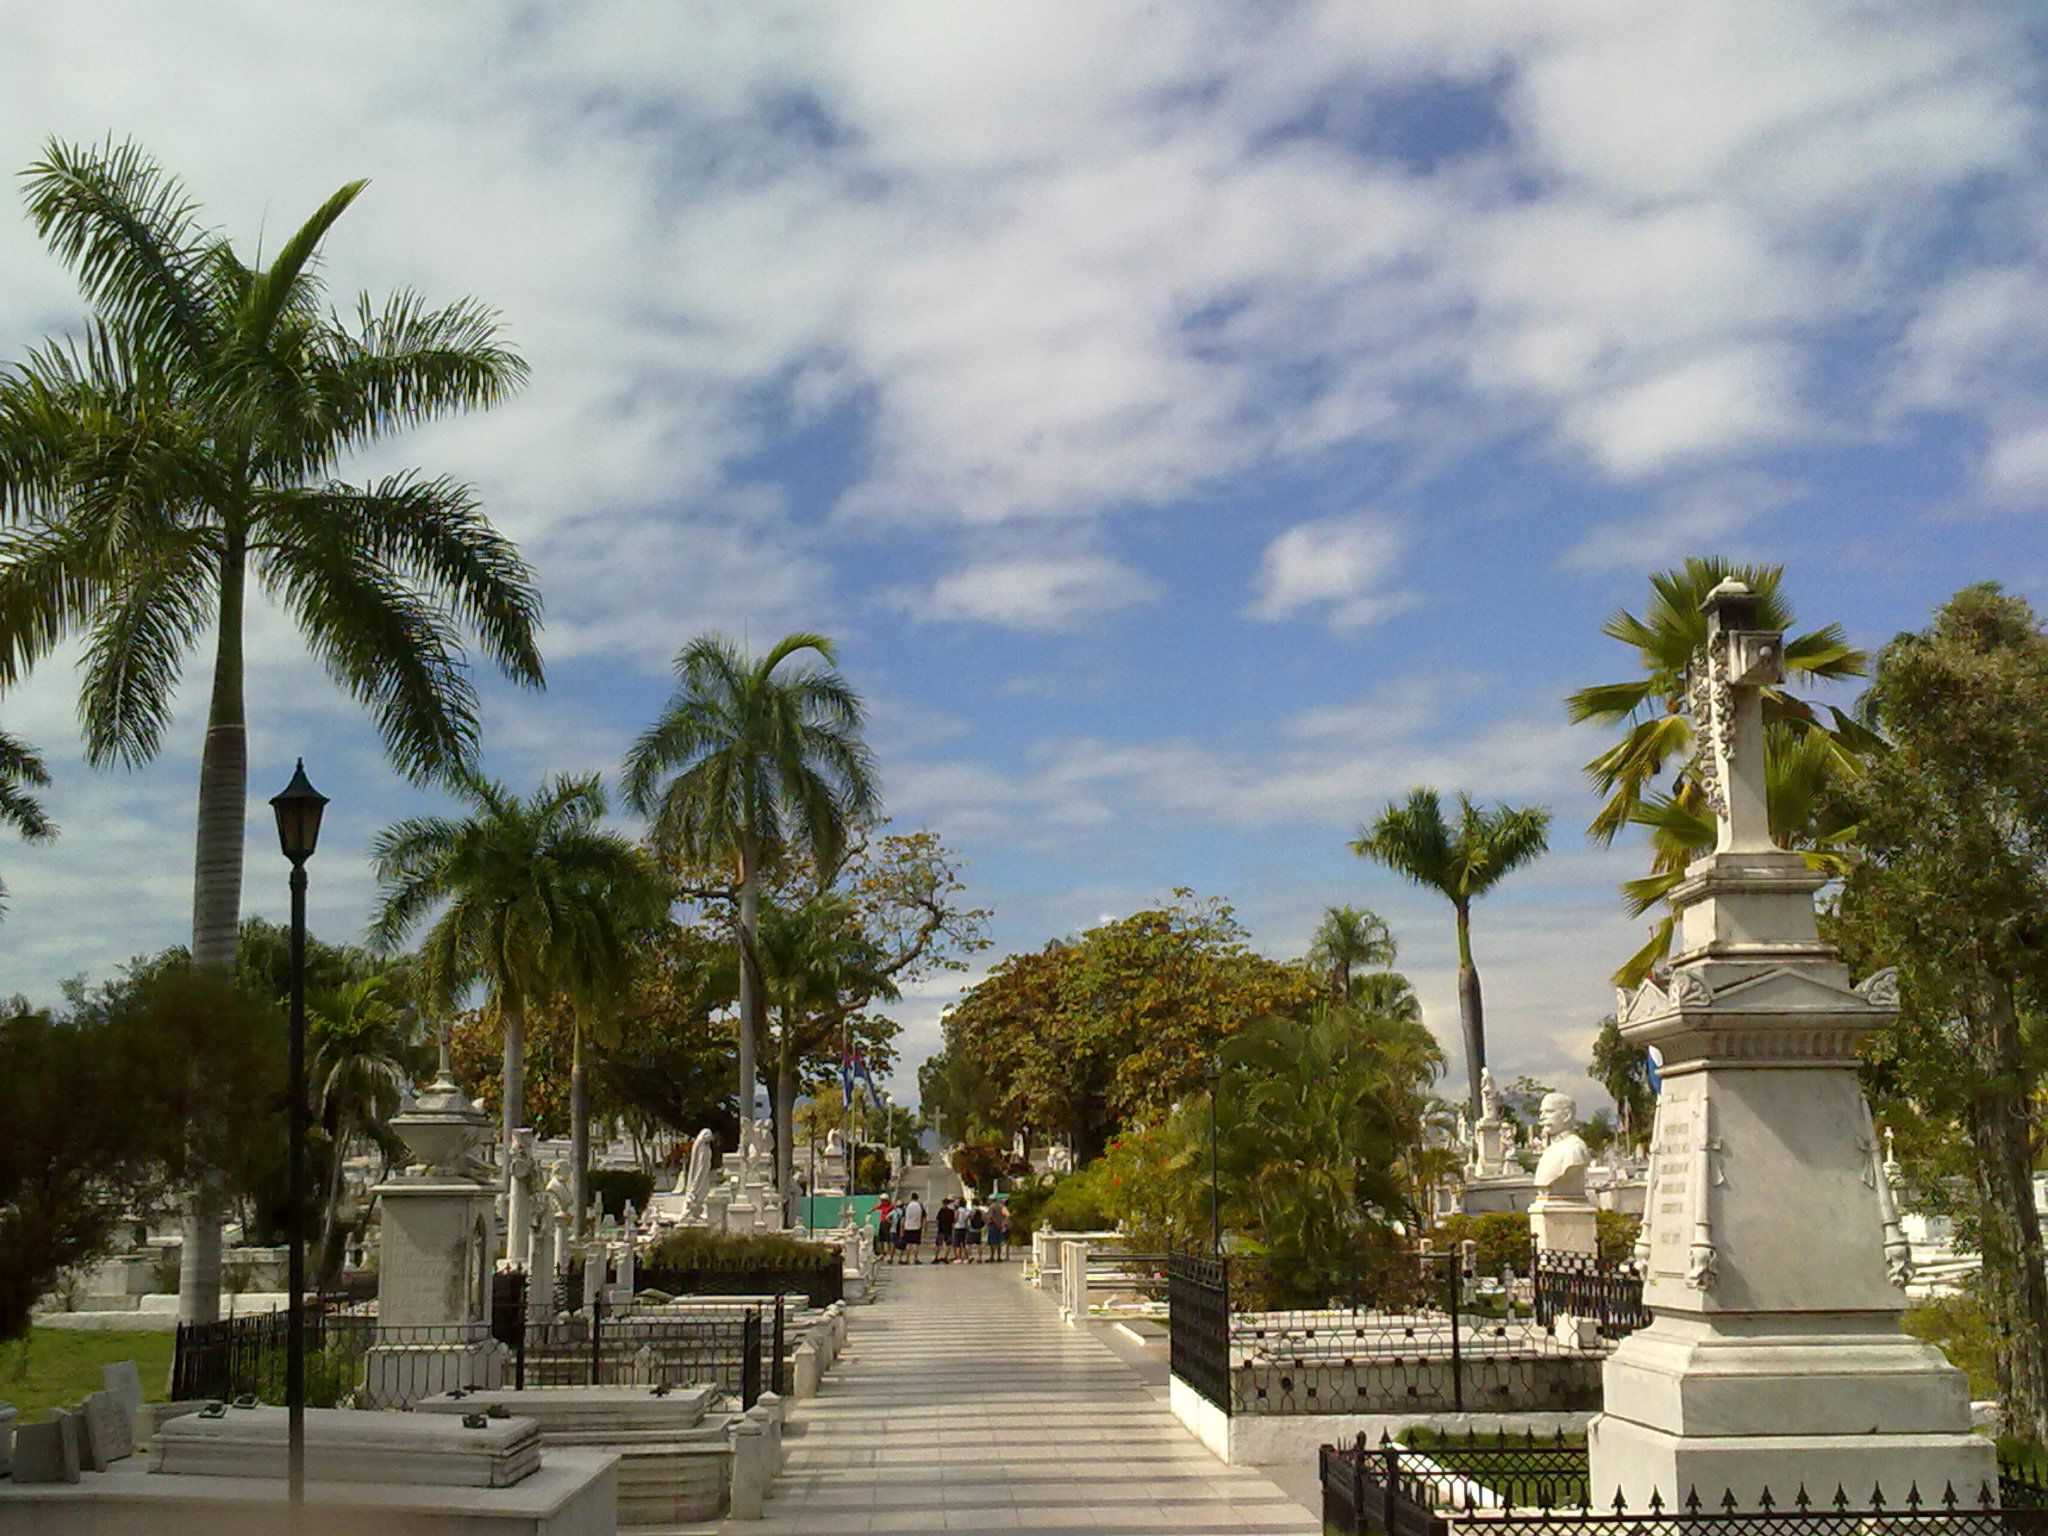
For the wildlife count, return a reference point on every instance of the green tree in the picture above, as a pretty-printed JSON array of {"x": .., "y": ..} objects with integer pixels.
[
  {"x": 1951, "y": 889},
  {"x": 746, "y": 765},
  {"x": 21, "y": 770},
  {"x": 187, "y": 445},
  {"x": 532, "y": 896},
  {"x": 1623, "y": 1069},
  {"x": 1109, "y": 1028},
  {"x": 1349, "y": 940},
  {"x": 1462, "y": 862},
  {"x": 1804, "y": 745}
]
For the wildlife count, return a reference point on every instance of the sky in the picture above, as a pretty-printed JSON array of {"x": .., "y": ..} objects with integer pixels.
[{"x": 1196, "y": 424}]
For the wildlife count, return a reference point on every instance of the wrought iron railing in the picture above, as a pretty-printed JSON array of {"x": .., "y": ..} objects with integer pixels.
[
  {"x": 1584, "y": 1285},
  {"x": 1198, "y": 1324}
]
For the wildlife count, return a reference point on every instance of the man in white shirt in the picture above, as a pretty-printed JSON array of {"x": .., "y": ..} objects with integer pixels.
[{"x": 913, "y": 1226}]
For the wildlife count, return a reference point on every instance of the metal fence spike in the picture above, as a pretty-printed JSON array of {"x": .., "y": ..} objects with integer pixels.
[
  {"x": 1841, "y": 1500},
  {"x": 1728, "y": 1501},
  {"x": 1764, "y": 1501},
  {"x": 1802, "y": 1501},
  {"x": 1948, "y": 1496},
  {"x": 1620, "y": 1504},
  {"x": 1876, "y": 1497},
  {"x": 1913, "y": 1495},
  {"x": 1985, "y": 1498},
  {"x": 1692, "y": 1499},
  {"x": 1656, "y": 1501}
]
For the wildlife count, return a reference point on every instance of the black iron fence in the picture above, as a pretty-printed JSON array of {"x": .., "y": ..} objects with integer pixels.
[
  {"x": 1422, "y": 1337},
  {"x": 1582, "y": 1285},
  {"x": 354, "y": 1360},
  {"x": 1198, "y": 1324},
  {"x": 1541, "y": 1489}
]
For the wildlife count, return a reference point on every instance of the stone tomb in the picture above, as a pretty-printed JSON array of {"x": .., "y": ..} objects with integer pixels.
[
  {"x": 108, "y": 1431},
  {"x": 348, "y": 1446},
  {"x": 675, "y": 1457},
  {"x": 7, "y": 1414}
]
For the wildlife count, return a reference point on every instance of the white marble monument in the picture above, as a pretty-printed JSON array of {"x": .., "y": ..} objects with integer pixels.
[
  {"x": 1561, "y": 1218},
  {"x": 1774, "y": 1260}
]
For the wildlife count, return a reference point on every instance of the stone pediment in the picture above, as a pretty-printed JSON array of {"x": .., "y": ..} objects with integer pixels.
[{"x": 1785, "y": 990}]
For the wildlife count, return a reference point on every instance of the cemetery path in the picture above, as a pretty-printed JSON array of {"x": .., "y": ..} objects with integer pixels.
[{"x": 963, "y": 1403}]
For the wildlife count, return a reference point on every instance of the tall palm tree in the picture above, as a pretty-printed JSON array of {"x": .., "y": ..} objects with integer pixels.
[
  {"x": 1462, "y": 861},
  {"x": 526, "y": 889},
  {"x": 749, "y": 761},
  {"x": 1349, "y": 939},
  {"x": 21, "y": 770},
  {"x": 1805, "y": 746},
  {"x": 185, "y": 448}
]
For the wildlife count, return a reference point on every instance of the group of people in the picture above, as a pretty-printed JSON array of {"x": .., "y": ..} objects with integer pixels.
[{"x": 962, "y": 1230}]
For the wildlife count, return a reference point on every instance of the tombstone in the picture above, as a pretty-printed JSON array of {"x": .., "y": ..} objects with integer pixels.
[
  {"x": 125, "y": 1382},
  {"x": 108, "y": 1431},
  {"x": 1774, "y": 1261},
  {"x": 7, "y": 1416},
  {"x": 47, "y": 1452},
  {"x": 434, "y": 1277}
]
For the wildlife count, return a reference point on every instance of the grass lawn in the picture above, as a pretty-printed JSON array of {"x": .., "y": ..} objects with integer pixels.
[{"x": 56, "y": 1367}]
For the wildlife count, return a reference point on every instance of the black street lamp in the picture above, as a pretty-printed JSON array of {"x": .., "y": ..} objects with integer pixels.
[
  {"x": 1215, "y": 1077},
  {"x": 298, "y": 811}
]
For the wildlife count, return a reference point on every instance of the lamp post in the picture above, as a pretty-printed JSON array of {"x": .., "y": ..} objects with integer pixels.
[
  {"x": 1215, "y": 1076},
  {"x": 298, "y": 811}
]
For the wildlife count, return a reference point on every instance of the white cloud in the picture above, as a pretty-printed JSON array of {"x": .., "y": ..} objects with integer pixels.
[
  {"x": 1683, "y": 520},
  {"x": 1031, "y": 592},
  {"x": 1338, "y": 566}
]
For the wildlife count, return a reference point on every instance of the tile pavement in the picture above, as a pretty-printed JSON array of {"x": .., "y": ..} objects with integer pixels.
[{"x": 963, "y": 1403}]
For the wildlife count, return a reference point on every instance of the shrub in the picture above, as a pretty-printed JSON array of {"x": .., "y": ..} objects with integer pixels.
[
  {"x": 1962, "y": 1328},
  {"x": 1618, "y": 1232},
  {"x": 1502, "y": 1238},
  {"x": 690, "y": 1247},
  {"x": 979, "y": 1163},
  {"x": 616, "y": 1186},
  {"x": 1079, "y": 1203}
]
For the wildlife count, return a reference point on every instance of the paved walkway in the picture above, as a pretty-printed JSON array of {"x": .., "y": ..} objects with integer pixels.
[{"x": 963, "y": 1403}]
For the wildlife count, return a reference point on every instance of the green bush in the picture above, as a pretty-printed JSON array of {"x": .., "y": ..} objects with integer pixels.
[
  {"x": 1964, "y": 1330},
  {"x": 1618, "y": 1232},
  {"x": 691, "y": 1246},
  {"x": 1502, "y": 1238},
  {"x": 1079, "y": 1202},
  {"x": 616, "y": 1186}
]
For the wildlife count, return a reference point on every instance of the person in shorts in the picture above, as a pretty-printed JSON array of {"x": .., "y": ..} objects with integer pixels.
[
  {"x": 882, "y": 1211},
  {"x": 942, "y": 1246},
  {"x": 998, "y": 1232},
  {"x": 912, "y": 1231},
  {"x": 975, "y": 1225}
]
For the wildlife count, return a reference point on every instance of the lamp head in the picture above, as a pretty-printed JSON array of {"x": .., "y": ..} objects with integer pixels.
[{"x": 298, "y": 810}]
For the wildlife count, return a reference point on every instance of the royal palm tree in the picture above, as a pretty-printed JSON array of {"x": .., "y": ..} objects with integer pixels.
[
  {"x": 528, "y": 892},
  {"x": 21, "y": 770},
  {"x": 184, "y": 448},
  {"x": 1463, "y": 861},
  {"x": 749, "y": 761},
  {"x": 1347, "y": 940},
  {"x": 1805, "y": 746}
]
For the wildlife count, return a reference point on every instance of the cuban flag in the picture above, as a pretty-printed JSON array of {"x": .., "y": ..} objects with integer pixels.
[{"x": 874, "y": 1094}]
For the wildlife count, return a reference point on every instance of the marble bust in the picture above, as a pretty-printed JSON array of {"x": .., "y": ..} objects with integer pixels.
[{"x": 1561, "y": 1170}]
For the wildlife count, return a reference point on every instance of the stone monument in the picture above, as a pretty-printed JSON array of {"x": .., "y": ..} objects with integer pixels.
[
  {"x": 1773, "y": 1264},
  {"x": 1561, "y": 1218},
  {"x": 520, "y": 1201},
  {"x": 434, "y": 1274}
]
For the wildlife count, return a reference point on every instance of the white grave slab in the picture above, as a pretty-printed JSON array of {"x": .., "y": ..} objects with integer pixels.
[
  {"x": 353, "y": 1446},
  {"x": 47, "y": 1452}
]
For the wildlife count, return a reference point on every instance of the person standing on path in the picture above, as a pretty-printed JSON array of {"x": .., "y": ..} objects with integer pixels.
[
  {"x": 942, "y": 1249},
  {"x": 913, "y": 1226}
]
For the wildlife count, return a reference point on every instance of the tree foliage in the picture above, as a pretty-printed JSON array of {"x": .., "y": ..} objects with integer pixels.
[
  {"x": 1952, "y": 888},
  {"x": 1111, "y": 1027},
  {"x": 21, "y": 772},
  {"x": 1622, "y": 1068},
  {"x": 103, "y": 1116}
]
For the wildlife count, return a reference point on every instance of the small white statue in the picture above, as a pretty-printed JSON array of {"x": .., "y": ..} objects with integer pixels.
[
  {"x": 1489, "y": 1097},
  {"x": 693, "y": 1183},
  {"x": 1561, "y": 1170}
]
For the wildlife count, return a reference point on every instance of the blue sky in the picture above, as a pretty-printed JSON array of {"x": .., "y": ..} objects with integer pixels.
[{"x": 1197, "y": 424}]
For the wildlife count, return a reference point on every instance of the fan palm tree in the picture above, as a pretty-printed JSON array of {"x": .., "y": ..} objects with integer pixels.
[
  {"x": 747, "y": 762},
  {"x": 528, "y": 895},
  {"x": 1349, "y": 939},
  {"x": 184, "y": 449},
  {"x": 1805, "y": 747},
  {"x": 20, "y": 771},
  {"x": 1462, "y": 861}
]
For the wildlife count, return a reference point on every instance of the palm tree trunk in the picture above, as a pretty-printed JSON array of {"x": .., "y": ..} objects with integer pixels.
[
  {"x": 785, "y": 1119},
  {"x": 512, "y": 1011},
  {"x": 579, "y": 1128},
  {"x": 217, "y": 906},
  {"x": 750, "y": 980},
  {"x": 1471, "y": 1012}
]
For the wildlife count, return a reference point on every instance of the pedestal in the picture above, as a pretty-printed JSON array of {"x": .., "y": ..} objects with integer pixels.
[
  {"x": 435, "y": 1265},
  {"x": 1564, "y": 1226}
]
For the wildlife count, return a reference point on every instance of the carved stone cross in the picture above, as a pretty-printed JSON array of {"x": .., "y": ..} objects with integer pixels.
[{"x": 1726, "y": 703}]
